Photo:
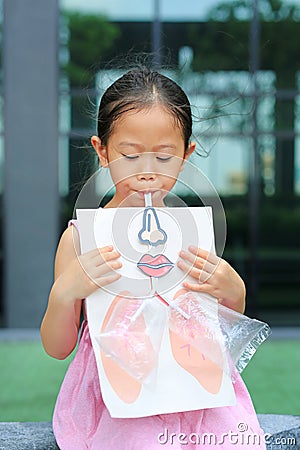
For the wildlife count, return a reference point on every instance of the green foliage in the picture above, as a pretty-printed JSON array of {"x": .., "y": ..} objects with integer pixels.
[
  {"x": 219, "y": 45},
  {"x": 90, "y": 38},
  {"x": 223, "y": 42},
  {"x": 241, "y": 10}
]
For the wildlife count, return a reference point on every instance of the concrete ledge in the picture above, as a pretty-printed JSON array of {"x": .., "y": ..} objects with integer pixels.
[
  {"x": 282, "y": 432},
  {"x": 27, "y": 436}
]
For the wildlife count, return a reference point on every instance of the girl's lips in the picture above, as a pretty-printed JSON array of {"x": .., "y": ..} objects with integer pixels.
[{"x": 155, "y": 266}]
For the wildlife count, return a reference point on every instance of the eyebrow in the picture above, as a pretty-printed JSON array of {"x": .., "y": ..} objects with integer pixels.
[
  {"x": 140, "y": 146},
  {"x": 130, "y": 144},
  {"x": 162, "y": 146}
]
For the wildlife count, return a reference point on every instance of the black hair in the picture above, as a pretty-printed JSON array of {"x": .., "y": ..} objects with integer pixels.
[{"x": 142, "y": 88}]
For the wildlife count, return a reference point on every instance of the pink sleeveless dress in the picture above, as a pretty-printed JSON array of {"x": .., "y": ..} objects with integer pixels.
[{"x": 82, "y": 421}]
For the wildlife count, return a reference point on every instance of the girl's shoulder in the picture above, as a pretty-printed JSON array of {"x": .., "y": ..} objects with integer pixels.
[
  {"x": 73, "y": 223},
  {"x": 70, "y": 237},
  {"x": 68, "y": 249}
]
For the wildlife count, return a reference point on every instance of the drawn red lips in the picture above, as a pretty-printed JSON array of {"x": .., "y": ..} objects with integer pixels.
[{"x": 155, "y": 266}]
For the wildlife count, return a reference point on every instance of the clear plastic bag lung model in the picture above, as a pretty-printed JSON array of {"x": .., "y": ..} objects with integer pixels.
[
  {"x": 133, "y": 333},
  {"x": 225, "y": 336}
]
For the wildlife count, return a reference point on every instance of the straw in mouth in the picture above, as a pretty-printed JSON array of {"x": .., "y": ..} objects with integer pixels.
[{"x": 148, "y": 199}]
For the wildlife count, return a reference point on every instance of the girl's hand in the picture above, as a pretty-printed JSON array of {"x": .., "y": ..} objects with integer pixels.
[
  {"x": 76, "y": 277},
  {"x": 88, "y": 272},
  {"x": 214, "y": 276}
]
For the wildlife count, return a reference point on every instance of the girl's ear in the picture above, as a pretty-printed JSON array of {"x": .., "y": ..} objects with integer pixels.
[
  {"x": 100, "y": 150},
  {"x": 191, "y": 148}
]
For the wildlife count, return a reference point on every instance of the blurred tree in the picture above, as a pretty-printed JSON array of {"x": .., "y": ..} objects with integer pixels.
[
  {"x": 222, "y": 43},
  {"x": 90, "y": 38},
  {"x": 241, "y": 10}
]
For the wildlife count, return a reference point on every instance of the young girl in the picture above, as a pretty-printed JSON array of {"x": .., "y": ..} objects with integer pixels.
[{"x": 144, "y": 130}]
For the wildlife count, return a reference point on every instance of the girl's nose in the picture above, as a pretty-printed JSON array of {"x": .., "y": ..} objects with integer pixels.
[
  {"x": 146, "y": 176},
  {"x": 146, "y": 170}
]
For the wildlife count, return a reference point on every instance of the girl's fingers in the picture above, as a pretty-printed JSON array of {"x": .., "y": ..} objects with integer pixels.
[
  {"x": 104, "y": 254},
  {"x": 208, "y": 256},
  {"x": 198, "y": 262},
  {"x": 108, "y": 249},
  {"x": 95, "y": 270},
  {"x": 98, "y": 251},
  {"x": 103, "y": 281},
  {"x": 197, "y": 287},
  {"x": 107, "y": 274},
  {"x": 107, "y": 267},
  {"x": 205, "y": 288},
  {"x": 97, "y": 258},
  {"x": 107, "y": 256},
  {"x": 204, "y": 276},
  {"x": 199, "y": 275}
]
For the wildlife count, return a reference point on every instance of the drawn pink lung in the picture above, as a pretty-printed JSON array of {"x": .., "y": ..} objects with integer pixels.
[
  {"x": 187, "y": 354},
  {"x": 127, "y": 387},
  {"x": 130, "y": 343}
]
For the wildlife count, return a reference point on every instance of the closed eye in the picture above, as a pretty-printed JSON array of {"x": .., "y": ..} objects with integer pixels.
[
  {"x": 130, "y": 156},
  {"x": 164, "y": 159}
]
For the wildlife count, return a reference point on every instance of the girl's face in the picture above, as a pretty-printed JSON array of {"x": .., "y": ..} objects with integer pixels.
[{"x": 145, "y": 153}]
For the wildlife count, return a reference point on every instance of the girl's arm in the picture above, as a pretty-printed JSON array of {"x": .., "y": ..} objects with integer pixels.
[
  {"x": 214, "y": 276},
  {"x": 75, "y": 277}
]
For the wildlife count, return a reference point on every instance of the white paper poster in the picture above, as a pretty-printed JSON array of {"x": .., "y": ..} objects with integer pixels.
[{"x": 149, "y": 334}]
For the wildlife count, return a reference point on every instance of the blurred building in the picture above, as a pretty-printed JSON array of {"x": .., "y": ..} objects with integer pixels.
[{"x": 246, "y": 109}]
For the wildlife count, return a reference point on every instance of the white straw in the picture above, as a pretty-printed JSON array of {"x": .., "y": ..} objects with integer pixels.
[
  {"x": 154, "y": 281},
  {"x": 139, "y": 310},
  {"x": 177, "y": 308},
  {"x": 153, "y": 284},
  {"x": 148, "y": 199}
]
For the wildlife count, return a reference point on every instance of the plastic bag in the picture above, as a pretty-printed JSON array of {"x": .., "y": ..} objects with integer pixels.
[
  {"x": 225, "y": 336},
  {"x": 134, "y": 331},
  {"x": 133, "y": 334}
]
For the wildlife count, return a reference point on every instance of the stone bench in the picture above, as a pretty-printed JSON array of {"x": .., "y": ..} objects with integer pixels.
[
  {"x": 282, "y": 432},
  {"x": 27, "y": 436}
]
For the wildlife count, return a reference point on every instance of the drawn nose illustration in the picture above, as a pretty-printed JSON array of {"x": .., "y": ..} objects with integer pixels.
[{"x": 151, "y": 232}]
